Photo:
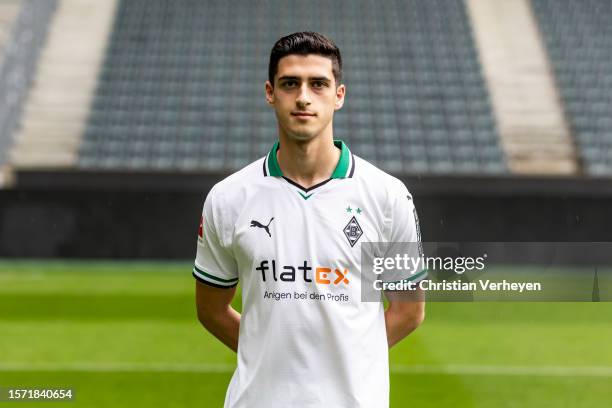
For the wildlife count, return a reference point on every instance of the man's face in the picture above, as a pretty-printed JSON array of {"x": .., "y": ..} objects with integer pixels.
[{"x": 304, "y": 96}]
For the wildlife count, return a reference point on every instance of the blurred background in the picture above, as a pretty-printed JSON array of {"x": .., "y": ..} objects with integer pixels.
[{"x": 118, "y": 116}]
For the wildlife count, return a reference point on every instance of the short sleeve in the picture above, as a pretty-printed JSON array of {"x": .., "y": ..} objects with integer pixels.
[
  {"x": 214, "y": 264},
  {"x": 404, "y": 236}
]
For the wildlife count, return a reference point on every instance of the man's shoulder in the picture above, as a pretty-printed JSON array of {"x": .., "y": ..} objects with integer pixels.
[
  {"x": 377, "y": 180},
  {"x": 249, "y": 177}
]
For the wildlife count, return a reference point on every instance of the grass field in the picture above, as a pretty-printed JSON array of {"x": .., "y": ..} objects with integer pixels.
[{"x": 125, "y": 335}]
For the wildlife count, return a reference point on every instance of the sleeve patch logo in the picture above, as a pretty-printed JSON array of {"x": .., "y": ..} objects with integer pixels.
[{"x": 201, "y": 229}]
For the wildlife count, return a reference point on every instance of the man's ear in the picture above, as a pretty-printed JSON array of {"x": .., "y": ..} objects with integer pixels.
[
  {"x": 340, "y": 93},
  {"x": 269, "y": 93}
]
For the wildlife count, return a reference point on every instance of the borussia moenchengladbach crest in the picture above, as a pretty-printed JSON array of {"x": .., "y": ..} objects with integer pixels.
[{"x": 353, "y": 231}]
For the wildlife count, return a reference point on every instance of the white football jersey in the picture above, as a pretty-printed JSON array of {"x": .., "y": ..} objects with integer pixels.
[{"x": 306, "y": 338}]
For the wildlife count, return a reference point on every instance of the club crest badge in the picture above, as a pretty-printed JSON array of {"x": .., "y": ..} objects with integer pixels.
[{"x": 353, "y": 231}]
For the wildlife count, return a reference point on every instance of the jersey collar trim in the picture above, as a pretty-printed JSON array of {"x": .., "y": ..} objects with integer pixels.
[{"x": 345, "y": 167}]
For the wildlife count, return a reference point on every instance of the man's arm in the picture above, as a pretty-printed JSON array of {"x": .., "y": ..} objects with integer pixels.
[
  {"x": 406, "y": 311},
  {"x": 216, "y": 313}
]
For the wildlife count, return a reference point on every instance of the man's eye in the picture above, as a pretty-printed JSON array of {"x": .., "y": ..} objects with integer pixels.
[
  {"x": 290, "y": 84},
  {"x": 318, "y": 84}
]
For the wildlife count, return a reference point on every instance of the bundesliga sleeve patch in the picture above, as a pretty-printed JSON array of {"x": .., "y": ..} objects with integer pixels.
[{"x": 201, "y": 229}]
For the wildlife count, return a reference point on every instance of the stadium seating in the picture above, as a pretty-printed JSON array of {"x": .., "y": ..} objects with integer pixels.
[
  {"x": 57, "y": 107},
  {"x": 183, "y": 89},
  {"x": 24, "y": 23},
  {"x": 578, "y": 36},
  {"x": 8, "y": 13},
  {"x": 528, "y": 112}
]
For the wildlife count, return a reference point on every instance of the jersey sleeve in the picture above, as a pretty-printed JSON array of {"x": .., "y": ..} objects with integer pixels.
[
  {"x": 214, "y": 264},
  {"x": 404, "y": 236}
]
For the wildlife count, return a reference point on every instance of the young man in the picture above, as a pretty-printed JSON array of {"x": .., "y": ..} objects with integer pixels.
[{"x": 289, "y": 227}]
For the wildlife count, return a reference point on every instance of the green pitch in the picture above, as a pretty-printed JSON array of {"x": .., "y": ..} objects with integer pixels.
[{"x": 126, "y": 335}]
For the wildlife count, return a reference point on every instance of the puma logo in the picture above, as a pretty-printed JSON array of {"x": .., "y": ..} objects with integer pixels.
[{"x": 260, "y": 225}]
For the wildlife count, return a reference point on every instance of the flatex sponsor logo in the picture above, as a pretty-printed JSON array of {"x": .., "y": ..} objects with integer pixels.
[{"x": 321, "y": 275}]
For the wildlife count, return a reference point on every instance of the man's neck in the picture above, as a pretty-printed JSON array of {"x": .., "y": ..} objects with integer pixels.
[{"x": 308, "y": 163}]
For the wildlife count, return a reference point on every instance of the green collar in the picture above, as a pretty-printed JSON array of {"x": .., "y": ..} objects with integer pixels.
[{"x": 342, "y": 169}]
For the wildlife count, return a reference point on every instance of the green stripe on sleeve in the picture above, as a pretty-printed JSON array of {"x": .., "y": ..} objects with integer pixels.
[{"x": 214, "y": 278}]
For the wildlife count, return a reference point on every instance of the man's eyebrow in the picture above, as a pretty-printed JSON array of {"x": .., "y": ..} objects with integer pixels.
[
  {"x": 294, "y": 78},
  {"x": 322, "y": 78}
]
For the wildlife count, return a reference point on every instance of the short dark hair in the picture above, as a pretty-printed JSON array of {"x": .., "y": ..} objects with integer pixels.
[{"x": 304, "y": 43}]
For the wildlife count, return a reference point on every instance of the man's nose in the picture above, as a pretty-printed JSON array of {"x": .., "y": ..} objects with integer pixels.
[{"x": 303, "y": 98}]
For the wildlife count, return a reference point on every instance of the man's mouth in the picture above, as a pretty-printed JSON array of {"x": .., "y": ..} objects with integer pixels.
[{"x": 299, "y": 114}]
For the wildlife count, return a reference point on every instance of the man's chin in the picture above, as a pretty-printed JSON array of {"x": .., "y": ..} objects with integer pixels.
[{"x": 301, "y": 136}]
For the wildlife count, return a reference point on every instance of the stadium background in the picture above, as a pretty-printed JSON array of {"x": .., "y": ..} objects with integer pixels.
[{"x": 117, "y": 116}]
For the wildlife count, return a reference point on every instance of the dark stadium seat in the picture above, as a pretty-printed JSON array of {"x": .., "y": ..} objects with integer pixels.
[
  {"x": 578, "y": 36},
  {"x": 179, "y": 78}
]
